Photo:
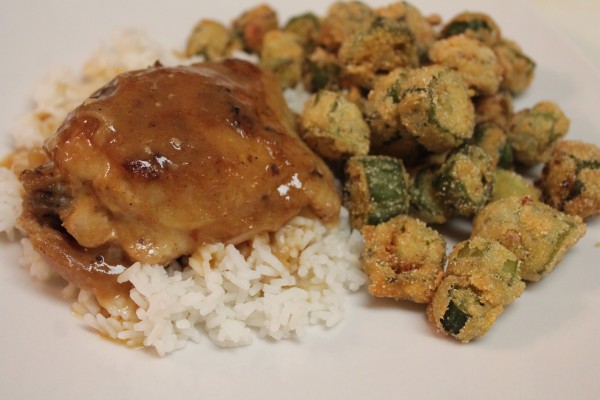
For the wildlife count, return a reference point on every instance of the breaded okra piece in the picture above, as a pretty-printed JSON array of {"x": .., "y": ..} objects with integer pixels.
[
  {"x": 534, "y": 132},
  {"x": 322, "y": 71},
  {"x": 490, "y": 267},
  {"x": 333, "y": 126},
  {"x": 382, "y": 110},
  {"x": 492, "y": 139},
  {"x": 458, "y": 310},
  {"x": 508, "y": 183},
  {"x": 418, "y": 25},
  {"x": 571, "y": 178},
  {"x": 376, "y": 190},
  {"x": 496, "y": 108},
  {"x": 465, "y": 180},
  {"x": 252, "y": 26},
  {"x": 212, "y": 40},
  {"x": 475, "y": 25},
  {"x": 425, "y": 201},
  {"x": 538, "y": 234},
  {"x": 517, "y": 68},
  {"x": 403, "y": 259},
  {"x": 385, "y": 45},
  {"x": 481, "y": 278},
  {"x": 475, "y": 62},
  {"x": 306, "y": 27},
  {"x": 342, "y": 20},
  {"x": 436, "y": 109},
  {"x": 283, "y": 54}
]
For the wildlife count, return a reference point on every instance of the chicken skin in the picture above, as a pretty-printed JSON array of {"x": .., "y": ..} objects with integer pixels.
[{"x": 163, "y": 160}]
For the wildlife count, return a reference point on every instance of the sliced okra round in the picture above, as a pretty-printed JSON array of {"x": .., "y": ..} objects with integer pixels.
[
  {"x": 538, "y": 234},
  {"x": 465, "y": 180},
  {"x": 377, "y": 189},
  {"x": 476, "y": 25},
  {"x": 458, "y": 310},
  {"x": 571, "y": 178},
  {"x": 436, "y": 109}
]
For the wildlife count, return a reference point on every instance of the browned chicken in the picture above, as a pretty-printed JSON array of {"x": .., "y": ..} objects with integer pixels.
[{"x": 162, "y": 160}]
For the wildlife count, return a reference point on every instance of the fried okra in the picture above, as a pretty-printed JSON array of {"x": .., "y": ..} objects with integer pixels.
[
  {"x": 306, "y": 27},
  {"x": 342, "y": 20},
  {"x": 382, "y": 110},
  {"x": 496, "y": 108},
  {"x": 212, "y": 40},
  {"x": 252, "y": 26},
  {"x": 571, "y": 178},
  {"x": 425, "y": 201},
  {"x": 491, "y": 268},
  {"x": 508, "y": 183},
  {"x": 492, "y": 139},
  {"x": 458, "y": 310},
  {"x": 475, "y": 62},
  {"x": 283, "y": 54},
  {"x": 419, "y": 26},
  {"x": 481, "y": 278},
  {"x": 403, "y": 259},
  {"x": 465, "y": 180},
  {"x": 322, "y": 71},
  {"x": 538, "y": 234},
  {"x": 534, "y": 132},
  {"x": 384, "y": 45},
  {"x": 475, "y": 25},
  {"x": 517, "y": 68},
  {"x": 376, "y": 189},
  {"x": 435, "y": 108},
  {"x": 333, "y": 126}
]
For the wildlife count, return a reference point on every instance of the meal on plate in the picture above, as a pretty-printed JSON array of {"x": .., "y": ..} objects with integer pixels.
[{"x": 245, "y": 185}]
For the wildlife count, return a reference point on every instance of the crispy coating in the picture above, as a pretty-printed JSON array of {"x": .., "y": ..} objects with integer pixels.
[
  {"x": 306, "y": 27},
  {"x": 419, "y": 26},
  {"x": 435, "y": 108},
  {"x": 492, "y": 139},
  {"x": 475, "y": 25},
  {"x": 322, "y": 71},
  {"x": 491, "y": 268},
  {"x": 376, "y": 190},
  {"x": 517, "y": 68},
  {"x": 403, "y": 259},
  {"x": 382, "y": 110},
  {"x": 475, "y": 62},
  {"x": 212, "y": 40},
  {"x": 534, "y": 132},
  {"x": 481, "y": 278},
  {"x": 465, "y": 180},
  {"x": 283, "y": 54},
  {"x": 508, "y": 183},
  {"x": 496, "y": 108},
  {"x": 425, "y": 201},
  {"x": 385, "y": 45},
  {"x": 571, "y": 178},
  {"x": 456, "y": 309},
  {"x": 538, "y": 234},
  {"x": 342, "y": 20},
  {"x": 252, "y": 26},
  {"x": 333, "y": 126}
]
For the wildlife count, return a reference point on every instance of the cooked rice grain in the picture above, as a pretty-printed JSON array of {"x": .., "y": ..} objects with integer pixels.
[{"x": 227, "y": 296}]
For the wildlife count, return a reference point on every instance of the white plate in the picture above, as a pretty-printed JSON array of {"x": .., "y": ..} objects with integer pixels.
[{"x": 544, "y": 346}]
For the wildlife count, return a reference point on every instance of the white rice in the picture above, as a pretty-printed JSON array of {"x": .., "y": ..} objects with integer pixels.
[
  {"x": 275, "y": 288},
  {"x": 10, "y": 202}
]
